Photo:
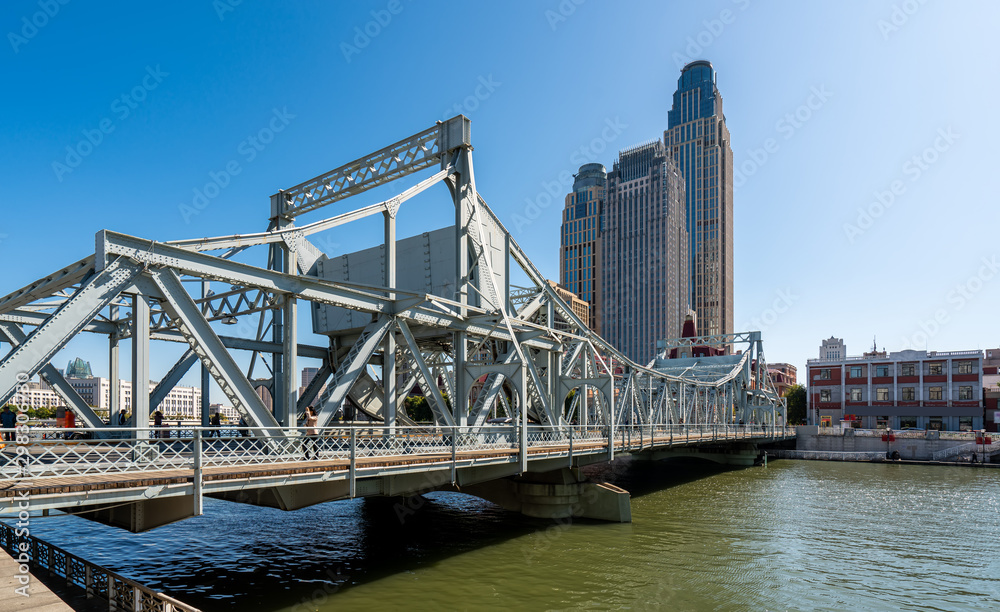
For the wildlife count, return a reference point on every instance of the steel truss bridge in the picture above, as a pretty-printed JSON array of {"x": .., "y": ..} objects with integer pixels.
[{"x": 479, "y": 350}]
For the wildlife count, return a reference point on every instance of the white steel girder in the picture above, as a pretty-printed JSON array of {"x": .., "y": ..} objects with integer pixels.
[
  {"x": 351, "y": 367},
  {"x": 38, "y": 349},
  {"x": 198, "y": 331},
  {"x": 426, "y": 380},
  {"x": 15, "y": 336}
]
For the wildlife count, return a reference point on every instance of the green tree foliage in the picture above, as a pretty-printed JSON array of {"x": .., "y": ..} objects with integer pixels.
[
  {"x": 419, "y": 409},
  {"x": 796, "y": 396}
]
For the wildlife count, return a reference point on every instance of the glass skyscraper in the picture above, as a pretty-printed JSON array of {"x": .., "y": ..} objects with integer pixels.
[
  {"x": 698, "y": 140},
  {"x": 644, "y": 255},
  {"x": 579, "y": 243}
]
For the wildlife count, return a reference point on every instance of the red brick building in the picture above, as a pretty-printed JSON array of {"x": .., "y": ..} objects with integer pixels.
[{"x": 921, "y": 389}]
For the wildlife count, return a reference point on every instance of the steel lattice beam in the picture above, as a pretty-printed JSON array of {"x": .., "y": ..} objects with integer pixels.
[{"x": 38, "y": 349}]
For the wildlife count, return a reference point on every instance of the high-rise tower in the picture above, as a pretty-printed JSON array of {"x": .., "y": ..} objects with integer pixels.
[
  {"x": 644, "y": 257},
  {"x": 579, "y": 243},
  {"x": 698, "y": 139}
]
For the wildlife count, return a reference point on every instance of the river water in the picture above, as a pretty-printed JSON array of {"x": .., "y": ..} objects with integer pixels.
[{"x": 796, "y": 535}]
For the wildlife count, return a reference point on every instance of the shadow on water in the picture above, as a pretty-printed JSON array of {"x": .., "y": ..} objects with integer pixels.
[
  {"x": 237, "y": 553},
  {"x": 642, "y": 478}
]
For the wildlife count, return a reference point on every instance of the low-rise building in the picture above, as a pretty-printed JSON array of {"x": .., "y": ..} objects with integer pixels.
[
  {"x": 783, "y": 376},
  {"x": 991, "y": 389},
  {"x": 579, "y": 307},
  {"x": 918, "y": 389}
]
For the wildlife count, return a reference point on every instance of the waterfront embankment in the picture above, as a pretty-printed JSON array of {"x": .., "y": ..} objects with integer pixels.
[{"x": 837, "y": 444}]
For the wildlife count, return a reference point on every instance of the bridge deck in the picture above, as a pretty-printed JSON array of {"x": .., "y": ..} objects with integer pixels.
[{"x": 339, "y": 466}]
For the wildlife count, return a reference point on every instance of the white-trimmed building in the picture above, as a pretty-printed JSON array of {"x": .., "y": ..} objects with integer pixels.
[{"x": 923, "y": 389}]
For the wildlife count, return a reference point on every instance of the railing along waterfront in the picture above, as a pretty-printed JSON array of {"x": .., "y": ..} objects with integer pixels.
[
  {"x": 124, "y": 450},
  {"x": 119, "y": 592},
  {"x": 933, "y": 434}
]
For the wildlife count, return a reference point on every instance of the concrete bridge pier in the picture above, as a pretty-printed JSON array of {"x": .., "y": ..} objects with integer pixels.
[
  {"x": 562, "y": 493},
  {"x": 141, "y": 515},
  {"x": 741, "y": 454}
]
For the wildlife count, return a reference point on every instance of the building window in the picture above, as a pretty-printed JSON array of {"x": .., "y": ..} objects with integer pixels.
[
  {"x": 882, "y": 422},
  {"x": 935, "y": 423},
  {"x": 965, "y": 367},
  {"x": 824, "y": 395},
  {"x": 881, "y": 370},
  {"x": 908, "y": 394},
  {"x": 935, "y": 369},
  {"x": 965, "y": 393},
  {"x": 934, "y": 393},
  {"x": 882, "y": 394},
  {"x": 907, "y": 369},
  {"x": 824, "y": 374},
  {"x": 965, "y": 423},
  {"x": 855, "y": 371},
  {"x": 855, "y": 395}
]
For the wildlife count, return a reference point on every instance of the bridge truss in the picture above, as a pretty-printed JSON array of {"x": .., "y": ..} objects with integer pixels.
[{"x": 486, "y": 349}]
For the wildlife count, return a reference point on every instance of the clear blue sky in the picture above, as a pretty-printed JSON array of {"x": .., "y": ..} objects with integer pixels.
[{"x": 178, "y": 88}]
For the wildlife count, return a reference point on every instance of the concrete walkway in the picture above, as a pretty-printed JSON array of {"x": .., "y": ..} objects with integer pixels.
[{"x": 40, "y": 598}]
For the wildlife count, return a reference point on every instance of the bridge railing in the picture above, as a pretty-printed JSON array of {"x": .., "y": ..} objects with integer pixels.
[
  {"x": 118, "y": 592},
  {"x": 46, "y": 452}
]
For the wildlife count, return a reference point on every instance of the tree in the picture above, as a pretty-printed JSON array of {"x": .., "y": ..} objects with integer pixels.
[{"x": 796, "y": 396}]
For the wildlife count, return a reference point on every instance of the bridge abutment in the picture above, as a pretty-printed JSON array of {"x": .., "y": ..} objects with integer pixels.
[
  {"x": 742, "y": 454},
  {"x": 562, "y": 493}
]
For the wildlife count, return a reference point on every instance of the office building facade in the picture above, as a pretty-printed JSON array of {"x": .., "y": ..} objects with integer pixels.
[
  {"x": 580, "y": 239},
  {"x": 698, "y": 140},
  {"x": 644, "y": 252}
]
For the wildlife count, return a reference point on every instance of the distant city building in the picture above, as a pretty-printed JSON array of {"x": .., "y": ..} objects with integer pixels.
[
  {"x": 36, "y": 394},
  {"x": 580, "y": 239},
  {"x": 308, "y": 374},
  {"x": 264, "y": 393},
  {"x": 698, "y": 140},
  {"x": 78, "y": 368},
  {"x": 228, "y": 413},
  {"x": 182, "y": 402},
  {"x": 991, "y": 389},
  {"x": 783, "y": 375},
  {"x": 833, "y": 348},
  {"x": 579, "y": 307},
  {"x": 921, "y": 389},
  {"x": 644, "y": 284}
]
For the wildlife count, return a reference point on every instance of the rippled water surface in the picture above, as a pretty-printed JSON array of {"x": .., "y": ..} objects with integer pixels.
[{"x": 796, "y": 535}]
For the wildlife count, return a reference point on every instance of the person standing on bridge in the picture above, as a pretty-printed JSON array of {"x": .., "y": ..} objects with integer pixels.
[
  {"x": 312, "y": 419},
  {"x": 216, "y": 423},
  {"x": 8, "y": 420},
  {"x": 158, "y": 424}
]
